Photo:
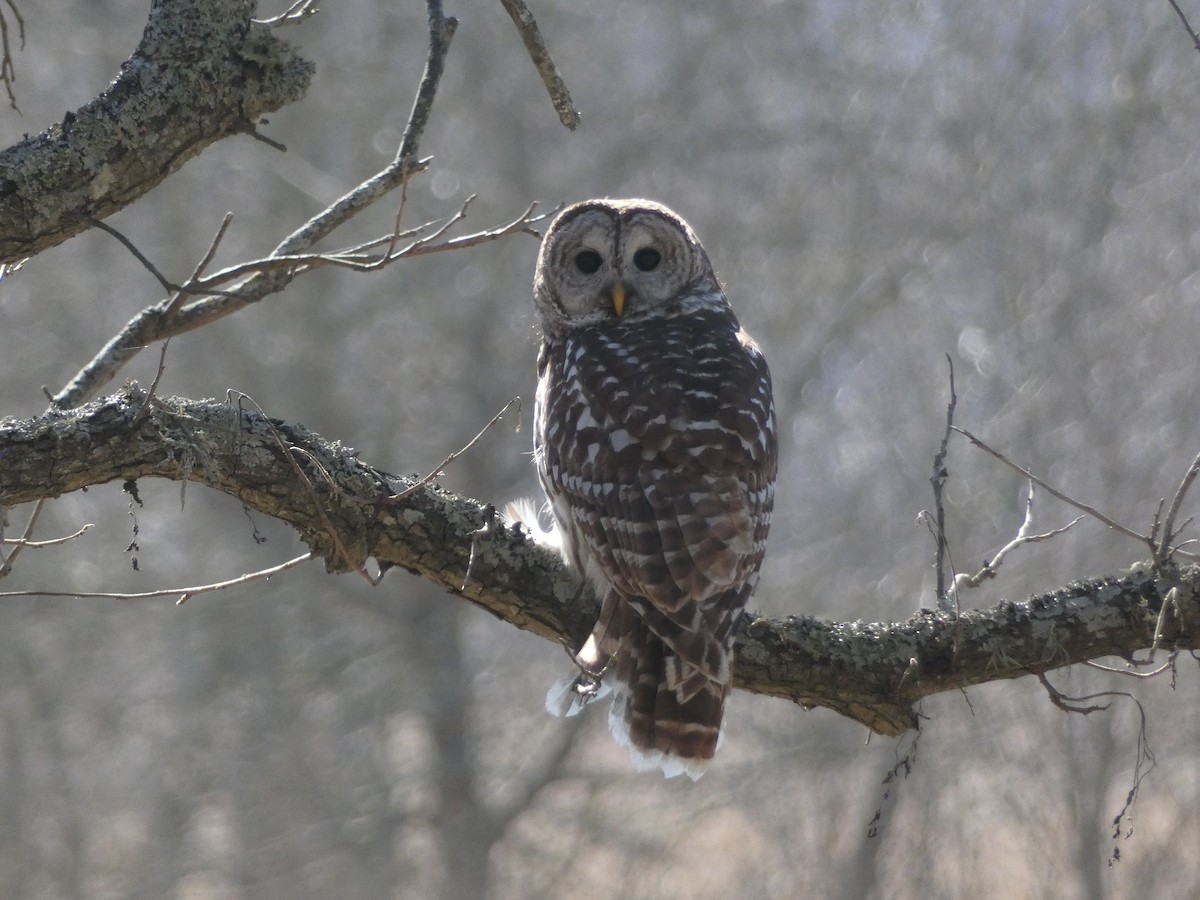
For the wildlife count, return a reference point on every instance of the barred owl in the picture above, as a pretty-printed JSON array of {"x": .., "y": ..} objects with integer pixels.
[{"x": 655, "y": 445}]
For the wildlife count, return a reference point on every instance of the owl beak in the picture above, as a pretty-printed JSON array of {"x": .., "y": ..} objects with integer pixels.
[{"x": 618, "y": 298}]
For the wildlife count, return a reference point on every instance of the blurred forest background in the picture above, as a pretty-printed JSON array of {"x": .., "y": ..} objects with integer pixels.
[{"x": 879, "y": 185}]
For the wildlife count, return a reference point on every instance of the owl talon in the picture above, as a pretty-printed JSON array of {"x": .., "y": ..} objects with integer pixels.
[
  {"x": 587, "y": 686},
  {"x": 572, "y": 693}
]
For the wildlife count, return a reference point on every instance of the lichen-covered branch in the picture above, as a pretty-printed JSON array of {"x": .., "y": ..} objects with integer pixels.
[
  {"x": 873, "y": 673},
  {"x": 202, "y": 72},
  {"x": 192, "y": 307}
]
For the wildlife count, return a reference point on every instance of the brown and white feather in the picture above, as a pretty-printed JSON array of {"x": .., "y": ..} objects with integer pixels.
[{"x": 656, "y": 446}]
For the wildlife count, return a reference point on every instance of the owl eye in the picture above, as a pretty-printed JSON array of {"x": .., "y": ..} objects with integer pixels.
[
  {"x": 587, "y": 261},
  {"x": 647, "y": 259}
]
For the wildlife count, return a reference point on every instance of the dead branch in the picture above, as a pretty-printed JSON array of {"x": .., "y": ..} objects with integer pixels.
[
  {"x": 8, "y": 70},
  {"x": 436, "y": 472},
  {"x": 51, "y": 189},
  {"x": 938, "y": 480},
  {"x": 543, "y": 62},
  {"x": 1072, "y": 704},
  {"x": 441, "y": 31},
  {"x": 250, "y": 282},
  {"x": 1169, "y": 531},
  {"x": 286, "y": 262},
  {"x": 182, "y": 594},
  {"x": 1187, "y": 26},
  {"x": 294, "y": 14},
  {"x": 49, "y": 542},
  {"x": 260, "y": 278},
  {"x": 990, "y": 567},
  {"x": 25, "y": 540},
  {"x": 1070, "y": 501}
]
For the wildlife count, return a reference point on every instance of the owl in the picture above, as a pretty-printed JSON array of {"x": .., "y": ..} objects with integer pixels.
[{"x": 655, "y": 443}]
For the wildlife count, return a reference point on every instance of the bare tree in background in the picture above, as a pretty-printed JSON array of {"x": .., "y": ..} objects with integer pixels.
[{"x": 206, "y": 72}]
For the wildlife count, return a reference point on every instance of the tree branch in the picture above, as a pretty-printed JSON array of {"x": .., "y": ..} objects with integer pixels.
[
  {"x": 873, "y": 673},
  {"x": 262, "y": 278},
  {"x": 202, "y": 57},
  {"x": 535, "y": 45},
  {"x": 8, "y": 70}
]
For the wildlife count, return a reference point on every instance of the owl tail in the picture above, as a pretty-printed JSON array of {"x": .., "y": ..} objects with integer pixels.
[{"x": 665, "y": 711}]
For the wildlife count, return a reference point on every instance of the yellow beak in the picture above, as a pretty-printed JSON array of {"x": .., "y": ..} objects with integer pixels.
[{"x": 618, "y": 298}]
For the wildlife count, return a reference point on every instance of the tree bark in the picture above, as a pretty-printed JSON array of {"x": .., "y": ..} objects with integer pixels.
[
  {"x": 202, "y": 72},
  {"x": 874, "y": 673}
]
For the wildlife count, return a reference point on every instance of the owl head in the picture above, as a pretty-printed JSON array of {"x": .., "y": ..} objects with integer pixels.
[{"x": 618, "y": 260}]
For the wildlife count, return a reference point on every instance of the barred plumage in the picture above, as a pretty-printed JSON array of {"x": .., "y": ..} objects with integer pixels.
[{"x": 655, "y": 444}]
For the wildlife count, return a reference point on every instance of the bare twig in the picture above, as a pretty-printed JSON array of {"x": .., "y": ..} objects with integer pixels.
[
  {"x": 1113, "y": 670},
  {"x": 171, "y": 307},
  {"x": 990, "y": 567},
  {"x": 487, "y": 530},
  {"x": 178, "y": 290},
  {"x": 1186, "y": 24},
  {"x": 1170, "y": 602},
  {"x": 260, "y": 277},
  {"x": 394, "y": 175},
  {"x": 354, "y": 259},
  {"x": 183, "y": 594},
  {"x": 389, "y": 240},
  {"x": 207, "y": 258},
  {"x": 906, "y": 761},
  {"x": 413, "y": 249},
  {"x": 1070, "y": 501},
  {"x": 543, "y": 62},
  {"x": 47, "y": 543},
  {"x": 1156, "y": 523},
  {"x": 8, "y": 71},
  {"x": 947, "y": 602},
  {"x": 441, "y": 32},
  {"x": 129, "y": 245},
  {"x": 437, "y": 470},
  {"x": 292, "y": 264},
  {"x": 297, "y": 12},
  {"x": 146, "y": 327},
  {"x": 269, "y": 141},
  {"x": 1071, "y": 704},
  {"x": 1144, "y": 764},
  {"x": 938, "y": 480},
  {"x": 164, "y": 311},
  {"x": 6, "y": 562},
  {"x": 1168, "y": 529}
]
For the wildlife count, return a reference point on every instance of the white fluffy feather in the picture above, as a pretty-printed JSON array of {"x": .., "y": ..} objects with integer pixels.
[{"x": 525, "y": 511}]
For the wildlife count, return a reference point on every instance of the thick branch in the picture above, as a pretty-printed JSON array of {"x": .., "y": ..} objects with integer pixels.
[
  {"x": 174, "y": 316},
  {"x": 873, "y": 673},
  {"x": 201, "y": 73}
]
